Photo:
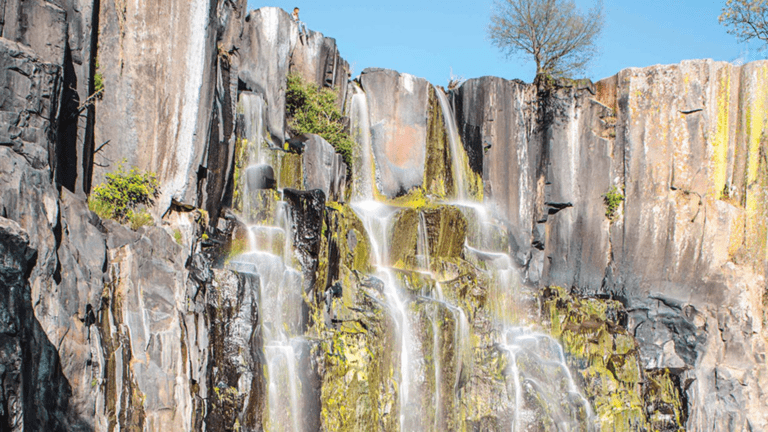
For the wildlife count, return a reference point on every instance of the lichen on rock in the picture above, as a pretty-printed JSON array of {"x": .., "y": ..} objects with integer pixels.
[{"x": 598, "y": 347}]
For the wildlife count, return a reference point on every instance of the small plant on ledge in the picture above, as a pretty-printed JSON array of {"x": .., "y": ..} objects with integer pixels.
[
  {"x": 613, "y": 199},
  {"x": 125, "y": 197}
]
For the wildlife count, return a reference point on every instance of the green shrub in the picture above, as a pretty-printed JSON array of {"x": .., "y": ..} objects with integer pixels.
[
  {"x": 98, "y": 79},
  {"x": 612, "y": 199},
  {"x": 314, "y": 111},
  {"x": 124, "y": 197}
]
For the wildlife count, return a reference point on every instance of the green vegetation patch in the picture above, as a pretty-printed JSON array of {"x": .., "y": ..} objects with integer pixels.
[
  {"x": 125, "y": 196},
  {"x": 312, "y": 110},
  {"x": 613, "y": 199}
]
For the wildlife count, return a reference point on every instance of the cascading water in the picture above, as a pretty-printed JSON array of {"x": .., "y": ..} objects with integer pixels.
[
  {"x": 431, "y": 367},
  {"x": 269, "y": 257},
  {"x": 280, "y": 301},
  {"x": 362, "y": 183},
  {"x": 454, "y": 141},
  {"x": 436, "y": 348},
  {"x": 376, "y": 218}
]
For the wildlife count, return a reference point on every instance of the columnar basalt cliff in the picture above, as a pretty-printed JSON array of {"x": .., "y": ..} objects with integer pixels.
[{"x": 562, "y": 255}]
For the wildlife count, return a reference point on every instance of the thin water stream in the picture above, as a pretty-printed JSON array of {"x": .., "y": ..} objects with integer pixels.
[{"x": 457, "y": 150}]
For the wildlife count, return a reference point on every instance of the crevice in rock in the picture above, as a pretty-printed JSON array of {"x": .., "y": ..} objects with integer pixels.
[
  {"x": 66, "y": 145},
  {"x": 89, "y": 146}
]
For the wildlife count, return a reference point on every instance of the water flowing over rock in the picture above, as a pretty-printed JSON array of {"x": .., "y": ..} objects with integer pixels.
[{"x": 562, "y": 255}]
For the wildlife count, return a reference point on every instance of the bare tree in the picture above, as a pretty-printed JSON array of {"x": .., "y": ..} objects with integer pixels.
[
  {"x": 746, "y": 19},
  {"x": 560, "y": 38}
]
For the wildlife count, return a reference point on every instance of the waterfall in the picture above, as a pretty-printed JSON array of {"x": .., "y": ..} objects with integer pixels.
[
  {"x": 436, "y": 348},
  {"x": 269, "y": 257},
  {"x": 357, "y": 111},
  {"x": 436, "y": 345},
  {"x": 376, "y": 218},
  {"x": 457, "y": 150}
]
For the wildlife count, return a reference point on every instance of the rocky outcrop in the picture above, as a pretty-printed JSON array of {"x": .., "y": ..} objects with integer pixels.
[
  {"x": 674, "y": 144},
  {"x": 316, "y": 58},
  {"x": 34, "y": 394},
  {"x": 397, "y": 105},
  {"x": 155, "y": 112},
  {"x": 30, "y": 106},
  {"x": 268, "y": 40},
  {"x": 324, "y": 169}
]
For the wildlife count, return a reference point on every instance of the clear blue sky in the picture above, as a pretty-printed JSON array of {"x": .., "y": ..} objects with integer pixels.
[{"x": 429, "y": 38}]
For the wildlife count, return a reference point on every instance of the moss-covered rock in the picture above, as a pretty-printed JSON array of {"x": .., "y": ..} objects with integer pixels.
[
  {"x": 445, "y": 233},
  {"x": 359, "y": 391},
  {"x": 624, "y": 396},
  {"x": 438, "y": 176}
]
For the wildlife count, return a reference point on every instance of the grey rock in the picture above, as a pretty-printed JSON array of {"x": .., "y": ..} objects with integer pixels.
[
  {"x": 307, "y": 213},
  {"x": 28, "y": 109},
  {"x": 397, "y": 105},
  {"x": 496, "y": 120},
  {"x": 38, "y": 24},
  {"x": 676, "y": 232},
  {"x": 324, "y": 169},
  {"x": 34, "y": 394},
  {"x": 217, "y": 167},
  {"x": 237, "y": 370},
  {"x": 316, "y": 58},
  {"x": 74, "y": 144},
  {"x": 260, "y": 176},
  {"x": 269, "y": 38}
]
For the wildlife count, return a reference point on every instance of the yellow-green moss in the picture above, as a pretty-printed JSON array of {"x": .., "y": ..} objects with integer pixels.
[
  {"x": 756, "y": 231},
  {"x": 722, "y": 130},
  {"x": 290, "y": 170},
  {"x": 624, "y": 397},
  {"x": 438, "y": 177}
]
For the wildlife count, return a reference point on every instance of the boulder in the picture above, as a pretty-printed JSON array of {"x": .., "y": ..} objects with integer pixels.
[{"x": 324, "y": 169}]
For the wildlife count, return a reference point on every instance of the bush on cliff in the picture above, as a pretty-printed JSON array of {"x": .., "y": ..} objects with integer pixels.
[
  {"x": 124, "y": 197},
  {"x": 313, "y": 110},
  {"x": 613, "y": 199}
]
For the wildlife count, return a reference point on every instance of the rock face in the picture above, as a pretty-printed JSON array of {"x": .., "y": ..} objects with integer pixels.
[
  {"x": 268, "y": 41},
  {"x": 317, "y": 59},
  {"x": 397, "y": 105},
  {"x": 674, "y": 143},
  {"x": 643, "y": 196},
  {"x": 152, "y": 113},
  {"x": 34, "y": 395},
  {"x": 324, "y": 169}
]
